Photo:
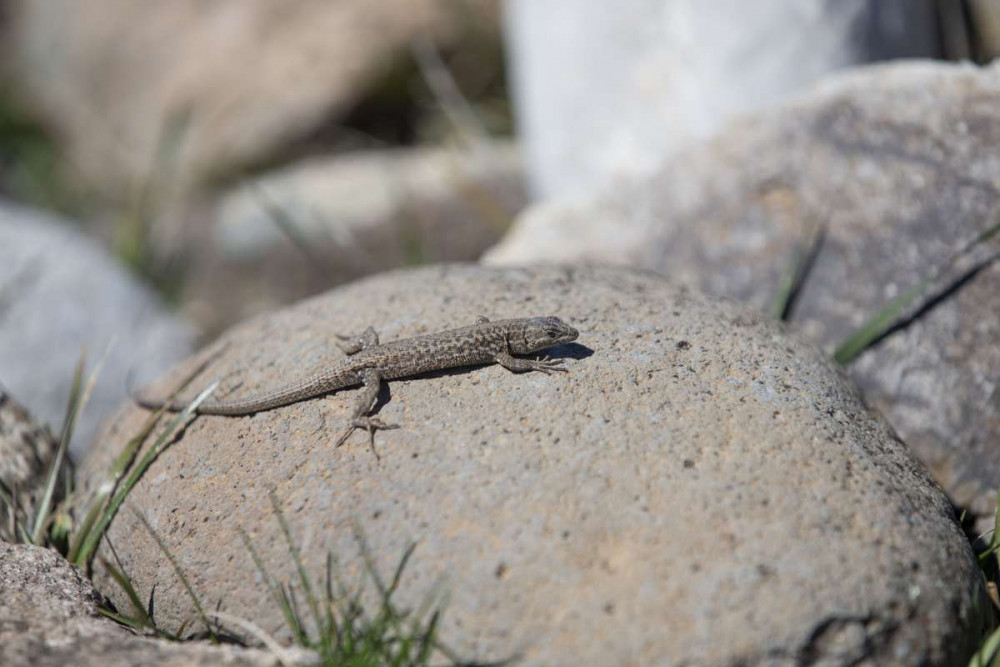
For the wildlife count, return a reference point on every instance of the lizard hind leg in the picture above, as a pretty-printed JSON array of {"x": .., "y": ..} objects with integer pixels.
[
  {"x": 360, "y": 418},
  {"x": 354, "y": 344}
]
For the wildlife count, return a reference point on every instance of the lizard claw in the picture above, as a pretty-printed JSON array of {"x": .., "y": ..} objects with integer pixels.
[
  {"x": 373, "y": 424},
  {"x": 547, "y": 366},
  {"x": 345, "y": 435}
]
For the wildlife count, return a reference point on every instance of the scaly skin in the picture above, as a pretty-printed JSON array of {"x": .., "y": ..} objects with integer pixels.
[{"x": 370, "y": 363}]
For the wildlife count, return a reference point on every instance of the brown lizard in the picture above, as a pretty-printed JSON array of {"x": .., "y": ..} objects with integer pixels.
[{"x": 369, "y": 363}]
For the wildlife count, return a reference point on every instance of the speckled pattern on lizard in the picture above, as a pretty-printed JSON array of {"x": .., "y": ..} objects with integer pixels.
[{"x": 369, "y": 363}]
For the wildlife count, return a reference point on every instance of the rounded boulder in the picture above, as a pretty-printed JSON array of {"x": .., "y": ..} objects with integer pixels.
[{"x": 700, "y": 487}]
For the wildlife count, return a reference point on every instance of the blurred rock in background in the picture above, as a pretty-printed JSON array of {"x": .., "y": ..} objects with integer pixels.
[
  {"x": 138, "y": 118},
  {"x": 607, "y": 89},
  {"x": 249, "y": 80},
  {"x": 62, "y": 294},
  {"x": 337, "y": 218}
]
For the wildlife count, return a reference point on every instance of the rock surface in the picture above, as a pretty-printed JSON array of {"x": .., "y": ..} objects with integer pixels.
[
  {"x": 47, "y": 619},
  {"x": 26, "y": 447},
  {"x": 27, "y": 453},
  {"x": 223, "y": 87},
  {"x": 699, "y": 488},
  {"x": 302, "y": 229},
  {"x": 899, "y": 163},
  {"x": 668, "y": 72},
  {"x": 61, "y": 293}
]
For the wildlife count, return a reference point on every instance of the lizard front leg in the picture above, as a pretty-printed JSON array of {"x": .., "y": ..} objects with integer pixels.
[
  {"x": 354, "y": 344},
  {"x": 372, "y": 382},
  {"x": 518, "y": 365}
]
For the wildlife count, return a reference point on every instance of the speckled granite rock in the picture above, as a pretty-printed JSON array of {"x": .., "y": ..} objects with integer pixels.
[
  {"x": 47, "y": 619},
  {"x": 26, "y": 447},
  {"x": 27, "y": 453},
  {"x": 61, "y": 293},
  {"x": 900, "y": 163},
  {"x": 699, "y": 488}
]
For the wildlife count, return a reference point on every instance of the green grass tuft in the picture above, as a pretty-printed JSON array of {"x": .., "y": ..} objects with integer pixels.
[
  {"x": 89, "y": 542},
  {"x": 341, "y": 632},
  {"x": 75, "y": 405},
  {"x": 988, "y": 654},
  {"x": 121, "y": 465}
]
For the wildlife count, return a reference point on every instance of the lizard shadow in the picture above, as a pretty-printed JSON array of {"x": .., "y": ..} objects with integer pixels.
[
  {"x": 568, "y": 351},
  {"x": 572, "y": 351}
]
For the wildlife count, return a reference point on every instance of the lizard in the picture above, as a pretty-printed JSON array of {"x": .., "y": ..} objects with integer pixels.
[{"x": 369, "y": 363}]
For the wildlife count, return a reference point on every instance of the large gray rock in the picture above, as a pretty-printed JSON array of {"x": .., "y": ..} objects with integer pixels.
[
  {"x": 60, "y": 293},
  {"x": 900, "y": 164},
  {"x": 48, "y": 619},
  {"x": 699, "y": 488},
  {"x": 667, "y": 72}
]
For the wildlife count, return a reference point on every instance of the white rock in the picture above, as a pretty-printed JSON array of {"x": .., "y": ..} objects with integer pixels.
[{"x": 606, "y": 89}]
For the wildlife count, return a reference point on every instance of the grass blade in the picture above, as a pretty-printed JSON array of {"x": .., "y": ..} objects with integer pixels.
[
  {"x": 72, "y": 410},
  {"x": 332, "y": 628},
  {"x": 141, "y": 618},
  {"x": 398, "y": 575},
  {"x": 78, "y": 400},
  {"x": 178, "y": 423},
  {"x": 132, "y": 241},
  {"x": 996, "y": 523},
  {"x": 180, "y": 575},
  {"x": 299, "y": 566},
  {"x": 873, "y": 329},
  {"x": 287, "y": 225},
  {"x": 277, "y": 592},
  {"x": 803, "y": 258},
  {"x": 994, "y": 545},
  {"x": 878, "y": 325},
  {"x": 990, "y": 649},
  {"x": 427, "y": 639},
  {"x": 369, "y": 559},
  {"x": 442, "y": 84},
  {"x": 123, "y": 462},
  {"x": 132, "y": 623}
]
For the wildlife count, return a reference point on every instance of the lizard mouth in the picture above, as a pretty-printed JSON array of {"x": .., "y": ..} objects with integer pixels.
[{"x": 565, "y": 334}]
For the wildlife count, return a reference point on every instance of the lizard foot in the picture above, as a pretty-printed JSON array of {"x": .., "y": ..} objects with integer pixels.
[
  {"x": 370, "y": 424},
  {"x": 547, "y": 366}
]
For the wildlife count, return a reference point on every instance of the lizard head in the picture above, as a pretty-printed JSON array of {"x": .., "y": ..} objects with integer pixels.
[{"x": 542, "y": 332}]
